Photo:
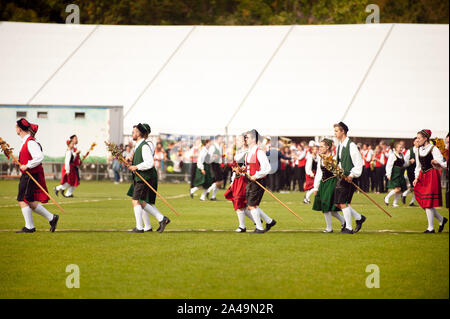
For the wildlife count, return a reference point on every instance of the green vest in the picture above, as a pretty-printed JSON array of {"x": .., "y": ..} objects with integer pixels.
[
  {"x": 346, "y": 159},
  {"x": 137, "y": 159}
]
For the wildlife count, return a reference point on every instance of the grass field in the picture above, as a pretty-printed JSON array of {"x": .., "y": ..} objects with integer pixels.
[{"x": 199, "y": 255}]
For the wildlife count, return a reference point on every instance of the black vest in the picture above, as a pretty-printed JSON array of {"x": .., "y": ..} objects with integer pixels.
[
  {"x": 399, "y": 162},
  {"x": 326, "y": 174},
  {"x": 425, "y": 161}
]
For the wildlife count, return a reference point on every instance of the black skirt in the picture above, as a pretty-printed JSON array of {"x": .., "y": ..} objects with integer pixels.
[
  {"x": 217, "y": 172},
  {"x": 26, "y": 188},
  {"x": 254, "y": 193},
  {"x": 343, "y": 192}
]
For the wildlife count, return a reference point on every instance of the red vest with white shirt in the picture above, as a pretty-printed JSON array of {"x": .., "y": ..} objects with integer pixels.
[
  {"x": 25, "y": 156},
  {"x": 253, "y": 165}
]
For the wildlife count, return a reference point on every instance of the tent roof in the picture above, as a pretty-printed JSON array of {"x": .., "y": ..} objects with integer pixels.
[{"x": 383, "y": 80}]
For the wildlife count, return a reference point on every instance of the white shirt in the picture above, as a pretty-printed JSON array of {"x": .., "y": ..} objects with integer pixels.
[
  {"x": 309, "y": 162},
  {"x": 203, "y": 157},
  {"x": 423, "y": 151},
  {"x": 35, "y": 152},
  {"x": 239, "y": 157},
  {"x": 67, "y": 161},
  {"x": 148, "y": 153},
  {"x": 368, "y": 154},
  {"x": 215, "y": 151},
  {"x": 356, "y": 157},
  {"x": 262, "y": 159},
  {"x": 390, "y": 163}
]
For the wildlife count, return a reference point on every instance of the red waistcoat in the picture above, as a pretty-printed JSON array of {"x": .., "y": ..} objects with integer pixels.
[
  {"x": 25, "y": 156},
  {"x": 253, "y": 165}
]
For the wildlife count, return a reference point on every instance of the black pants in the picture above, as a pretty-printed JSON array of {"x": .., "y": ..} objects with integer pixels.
[
  {"x": 193, "y": 170},
  {"x": 372, "y": 179},
  {"x": 364, "y": 178},
  {"x": 379, "y": 179},
  {"x": 296, "y": 178}
]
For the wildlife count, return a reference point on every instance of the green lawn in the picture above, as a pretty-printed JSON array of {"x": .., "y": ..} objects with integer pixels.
[{"x": 199, "y": 255}]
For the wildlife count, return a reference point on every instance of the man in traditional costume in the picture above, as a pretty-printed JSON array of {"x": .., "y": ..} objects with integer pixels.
[
  {"x": 350, "y": 160},
  {"x": 143, "y": 198}
]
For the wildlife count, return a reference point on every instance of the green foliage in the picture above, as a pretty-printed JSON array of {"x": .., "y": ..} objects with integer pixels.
[{"x": 226, "y": 12}]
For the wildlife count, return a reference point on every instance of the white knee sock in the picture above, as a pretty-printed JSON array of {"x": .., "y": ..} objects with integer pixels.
[
  {"x": 327, "y": 216},
  {"x": 138, "y": 216},
  {"x": 40, "y": 210},
  {"x": 28, "y": 216},
  {"x": 348, "y": 217},
  {"x": 70, "y": 190},
  {"x": 405, "y": 193},
  {"x": 355, "y": 214},
  {"x": 256, "y": 218},
  {"x": 194, "y": 189},
  {"x": 249, "y": 215},
  {"x": 215, "y": 190},
  {"x": 339, "y": 217},
  {"x": 212, "y": 187},
  {"x": 62, "y": 187},
  {"x": 396, "y": 198},
  {"x": 154, "y": 211},
  {"x": 241, "y": 218},
  {"x": 430, "y": 216},
  {"x": 146, "y": 218},
  {"x": 438, "y": 216},
  {"x": 386, "y": 199},
  {"x": 264, "y": 216},
  {"x": 308, "y": 193},
  {"x": 203, "y": 197}
]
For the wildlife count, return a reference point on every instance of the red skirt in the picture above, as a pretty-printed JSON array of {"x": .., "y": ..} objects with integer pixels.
[
  {"x": 39, "y": 195},
  {"x": 236, "y": 193},
  {"x": 309, "y": 182},
  {"x": 71, "y": 178},
  {"x": 428, "y": 189}
]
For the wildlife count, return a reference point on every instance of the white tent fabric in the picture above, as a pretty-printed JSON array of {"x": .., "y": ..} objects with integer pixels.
[{"x": 383, "y": 80}]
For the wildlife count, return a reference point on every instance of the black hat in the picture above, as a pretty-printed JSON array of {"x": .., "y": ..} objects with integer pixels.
[
  {"x": 23, "y": 124},
  {"x": 254, "y": 133},
  {"x": 344, "y": 127},
  {"x": 142, "y": 129}
]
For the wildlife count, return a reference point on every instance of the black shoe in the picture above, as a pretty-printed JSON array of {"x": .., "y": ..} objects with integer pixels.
[
  {"x": 259, "y": 231},
  {"x": 441, "y": 227},
  {"x": 53, "y": 223},
  {"x": 403, "y": 200},
  {"x": 163, "y": 224},
  {"x": 412, "y": 205},
  {"x": 149, "y": 230},
  {"x": 213, "y": 199},
  {"x": 359, "y": 223},
  {"x": 240, "y": 230},
  {"x": 26, "y": 230},
  {"x": 135, "y": 230},
  {"x": 429, "y": 231},
  {"x": 347, "y": 231},
  {"x": 56, "y": 191},
  {"x": 207, "y": 195},
  {"x": 269, "y": 226},
  {"x": 191, "y": 194},
  {"x": 343, "y": 226}
]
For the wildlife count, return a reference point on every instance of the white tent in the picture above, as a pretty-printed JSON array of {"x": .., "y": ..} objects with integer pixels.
[{"x": 383, "y": 80}]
